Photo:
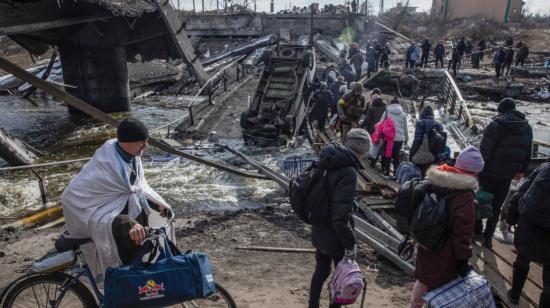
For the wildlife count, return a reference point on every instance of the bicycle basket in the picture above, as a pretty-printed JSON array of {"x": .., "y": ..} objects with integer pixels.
[{"x": 294, "y": 165}]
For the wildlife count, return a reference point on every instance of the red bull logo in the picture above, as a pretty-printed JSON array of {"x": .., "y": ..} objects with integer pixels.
[{"x": 151, "y": 290}]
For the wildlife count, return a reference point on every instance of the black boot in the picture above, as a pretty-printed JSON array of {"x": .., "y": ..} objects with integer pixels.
[
  {"x": 512, "y": 297},
  {"x": 544, "y": 301},
  {"x": 518, "y": 281}
]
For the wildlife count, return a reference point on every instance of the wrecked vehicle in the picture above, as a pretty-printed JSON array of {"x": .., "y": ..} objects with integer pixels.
[{"x": 278, "y": 102}]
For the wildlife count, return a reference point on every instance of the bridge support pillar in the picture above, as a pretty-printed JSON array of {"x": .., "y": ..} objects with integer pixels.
[{"x": 98, "y": 75}]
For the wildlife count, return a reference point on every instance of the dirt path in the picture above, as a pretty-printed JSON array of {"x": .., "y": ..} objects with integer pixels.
[{"x": 255, "y": 279}]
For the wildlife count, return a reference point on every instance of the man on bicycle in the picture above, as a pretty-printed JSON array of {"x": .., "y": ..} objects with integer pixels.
[{"x": 110, "y": 201}]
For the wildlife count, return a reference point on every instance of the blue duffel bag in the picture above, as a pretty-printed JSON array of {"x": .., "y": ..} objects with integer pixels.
[{"x": 173, "y": 278}]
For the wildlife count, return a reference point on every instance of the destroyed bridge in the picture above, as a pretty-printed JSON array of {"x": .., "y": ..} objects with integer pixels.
[{"x": 95, "y": 40}]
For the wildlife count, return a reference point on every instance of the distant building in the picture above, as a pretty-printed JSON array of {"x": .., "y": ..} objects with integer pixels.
[
  {"x": 497, "y": 10},
  {"x": 409, "y": 10}
]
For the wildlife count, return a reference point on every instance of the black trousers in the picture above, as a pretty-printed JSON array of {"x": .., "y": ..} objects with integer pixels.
[
  {"x": 127, "y": 248},
  {"x": 438, "y": 60},
  {"x": 507, "y": 67},
  {"x": 357, "y": 73},
  {"x": 521, "y": 271},
  {"x": 499, "y": 188},
  {"x": 520, "y": 61},
  {"x": 322, "y": 271},
  {"x": 498, "y": 69},
  {"x": 424, "y": 60},
  {"x": 394, "y": 157},
  {"x": 413, "y": 63}
]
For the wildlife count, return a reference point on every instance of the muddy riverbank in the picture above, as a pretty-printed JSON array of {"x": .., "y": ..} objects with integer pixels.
[{"x": 254, "y": 279}]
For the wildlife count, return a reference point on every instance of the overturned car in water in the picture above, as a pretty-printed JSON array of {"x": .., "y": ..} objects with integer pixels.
[{"x": 278, "y": 103}]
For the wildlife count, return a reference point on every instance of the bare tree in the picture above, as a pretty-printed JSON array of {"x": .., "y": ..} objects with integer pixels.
[{"x": 399, "y": 17}]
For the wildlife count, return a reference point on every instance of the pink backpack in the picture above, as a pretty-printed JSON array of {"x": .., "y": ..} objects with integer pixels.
[{"x": 346, "y": 283}]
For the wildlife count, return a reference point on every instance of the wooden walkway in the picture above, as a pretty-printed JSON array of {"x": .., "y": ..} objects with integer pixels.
[{"x": 375, "y": 200}]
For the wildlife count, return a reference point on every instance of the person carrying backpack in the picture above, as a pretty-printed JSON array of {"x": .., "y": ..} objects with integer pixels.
[
  {"x": 427, "y": 125},
  {"x": 455, "y": 185},
  {"x": 336, "y": 240},
  {"x": 530, "y": 212}
]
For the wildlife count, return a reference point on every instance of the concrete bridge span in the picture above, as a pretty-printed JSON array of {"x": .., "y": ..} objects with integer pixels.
[{"x": 96, "y": 38}]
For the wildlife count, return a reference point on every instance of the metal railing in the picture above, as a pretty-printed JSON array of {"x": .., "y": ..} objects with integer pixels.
[
  {"x": 454, "y": 100},
  {"x": 207, "y": 88}
]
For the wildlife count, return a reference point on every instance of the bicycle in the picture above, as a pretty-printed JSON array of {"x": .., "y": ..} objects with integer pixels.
[{"x": 63, "y": 286}]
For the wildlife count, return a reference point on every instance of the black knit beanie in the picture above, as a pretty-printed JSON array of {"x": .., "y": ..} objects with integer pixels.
[
  {"x": 130, "y": 130},
  {"x": 506, "y": 105}
]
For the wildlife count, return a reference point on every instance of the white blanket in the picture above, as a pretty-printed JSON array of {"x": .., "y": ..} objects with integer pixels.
[{"x": 96, "y": 196}]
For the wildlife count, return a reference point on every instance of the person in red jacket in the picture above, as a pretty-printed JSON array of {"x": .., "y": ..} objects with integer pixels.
[{"x": 435, "y": 268}]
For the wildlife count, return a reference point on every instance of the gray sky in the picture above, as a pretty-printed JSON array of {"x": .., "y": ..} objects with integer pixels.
[{"x": 533, "y": 6}]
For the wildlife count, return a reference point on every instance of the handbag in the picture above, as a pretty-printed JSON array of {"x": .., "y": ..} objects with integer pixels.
[
  {"x": 173, "y": 278},
  {"x": 471, "y": 291},
  {"x": 423, "y": 156}
]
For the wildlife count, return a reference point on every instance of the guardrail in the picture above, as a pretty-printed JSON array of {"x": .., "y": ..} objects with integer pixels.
[
  {"x": 454, "y": 100},
  {"x": 221, "y": 75}
]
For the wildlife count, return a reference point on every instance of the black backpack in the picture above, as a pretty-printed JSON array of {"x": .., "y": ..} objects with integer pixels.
[
  {"x": 422, "y": 215},
  {"x": 410, "y": 194},
  {"x": 309, "y": 196},
  {"x": 436, "y": 141}
]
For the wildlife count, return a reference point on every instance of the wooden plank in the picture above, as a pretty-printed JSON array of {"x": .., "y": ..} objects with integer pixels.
[
  {"x": 374, "y": 175},
  {"x": 376, "y": 233},
  {"x": 508, "y": 254},
  {"x": 379, "y": 221},
  {"x": 180, "y": 39},
  {"x": 531, "y": 292},
  {"x": 387, "y": 253},
  {"x": 499, "y": 285},
  {"x": 14, "y": 151}
]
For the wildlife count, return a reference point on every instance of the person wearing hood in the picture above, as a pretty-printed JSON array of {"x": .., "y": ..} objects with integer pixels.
[
  {"x": 385, "y": 56},
  {"x": 357, "y": 61},
  {"x": 439, "y": 53},
  {"x": 372, "y": 58},
  {"x": 321, "y": 100},
  {"x": 415, "y": 55},
  {"x": 335, "y": 89},
  {"x": 423, "y": 126},
  {"x": 399, "y": 118},
  {"x": 506, "y": 146},
  {"x": 353, "y": 50},
  {"x": 373, "y": 113},
  {"x": 508, "y": 60},
  {"x": 455, "y": 61},
  {"x": 350, "y": 108},
  {"x": 346, "y": 71},
  {"x": 437, "y": 267},
  {"x": 523, "y": 53},
  {"x": 530, "y": 212},
  {"x": 337, "y": 240},
  {"x": 426, "y": 47},
  {"x": 498, "y": 61}
]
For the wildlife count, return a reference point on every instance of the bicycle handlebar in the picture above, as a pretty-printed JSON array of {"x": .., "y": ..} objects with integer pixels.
[{"x": 155, "y": 232}]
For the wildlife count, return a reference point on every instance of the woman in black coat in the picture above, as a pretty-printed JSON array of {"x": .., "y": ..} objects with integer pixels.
[{"x": 530, "y": 212}]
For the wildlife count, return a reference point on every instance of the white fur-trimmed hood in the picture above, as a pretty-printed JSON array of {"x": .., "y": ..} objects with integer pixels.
[{"x": 450, "y": 180}]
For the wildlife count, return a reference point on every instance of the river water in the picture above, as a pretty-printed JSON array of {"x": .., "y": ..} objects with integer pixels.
[{"x": 187, "y": 186}]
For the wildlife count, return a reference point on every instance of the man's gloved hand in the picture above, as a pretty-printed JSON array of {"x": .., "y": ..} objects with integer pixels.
[
  {"x": 350, "y": 253},
  {"x": 462, "y": 267}
]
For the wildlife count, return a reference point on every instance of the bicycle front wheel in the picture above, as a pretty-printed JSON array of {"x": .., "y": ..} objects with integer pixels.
[
  {"x": 220, "y": 299},
  {"x": 49, "y": 290}
]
